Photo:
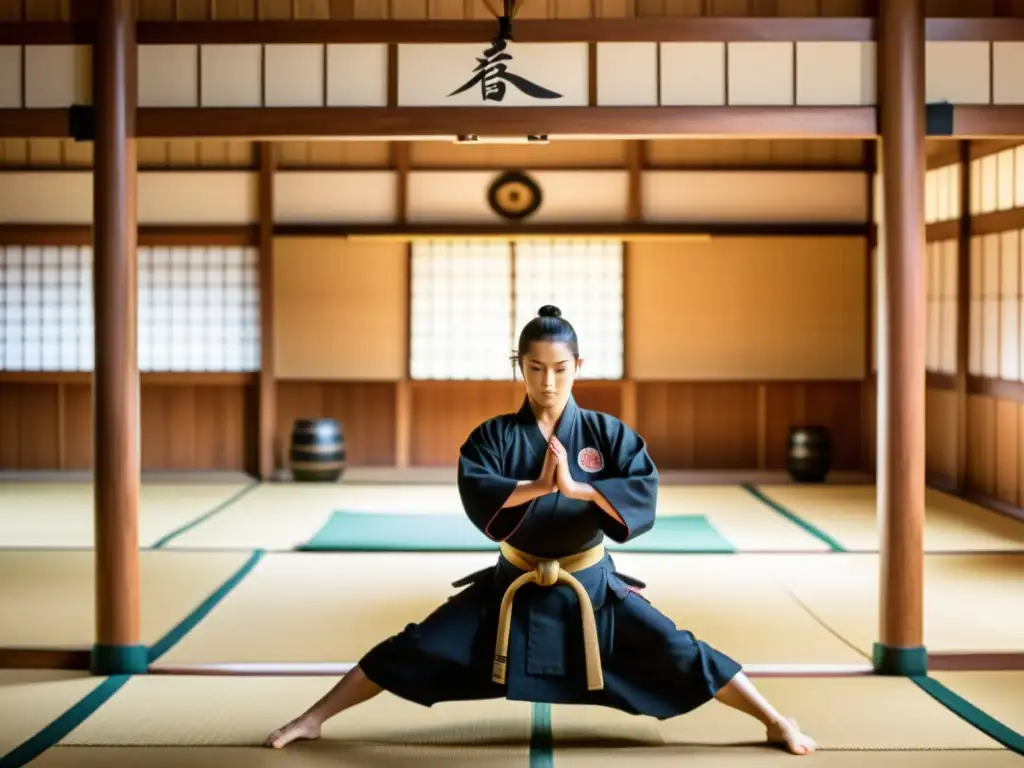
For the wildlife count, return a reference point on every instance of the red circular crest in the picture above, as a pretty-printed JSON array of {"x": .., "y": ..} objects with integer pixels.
[{"x": 590, "y": 460}]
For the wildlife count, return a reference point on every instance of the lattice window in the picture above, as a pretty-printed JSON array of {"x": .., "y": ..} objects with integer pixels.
[
  {"x": 198, "y": 309},
  {"x": 942, "y": 194},
  {"x": 584, "y": 279},
  {"x": 467, "y": 308},
  {"x": 997, "y": 181},
  {"x": 461, "y": 310},
  {"x": 941, "y": 330},
  {"x": 45, "y": 309},
  {"x": 996, "y": 348}
]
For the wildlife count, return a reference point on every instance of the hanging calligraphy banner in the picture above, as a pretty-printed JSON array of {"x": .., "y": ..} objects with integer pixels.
[{"x": 498, "y": 73}]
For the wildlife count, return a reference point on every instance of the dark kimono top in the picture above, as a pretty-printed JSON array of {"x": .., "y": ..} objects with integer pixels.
[{"x": 602, "y": 451}]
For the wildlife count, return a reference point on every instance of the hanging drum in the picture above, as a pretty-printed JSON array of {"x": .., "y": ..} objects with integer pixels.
[
  {"x": 514, "y": 195},
  {"x": 318, "y": 451}
]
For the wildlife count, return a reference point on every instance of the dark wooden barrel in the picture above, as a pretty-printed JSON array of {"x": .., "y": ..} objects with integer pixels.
[
  {"x": 318, "y": 450},
  {"x": 809, "y": 454}
]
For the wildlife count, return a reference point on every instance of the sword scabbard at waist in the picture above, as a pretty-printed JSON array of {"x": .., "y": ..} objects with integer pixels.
[{"x": 548, "y": 573}]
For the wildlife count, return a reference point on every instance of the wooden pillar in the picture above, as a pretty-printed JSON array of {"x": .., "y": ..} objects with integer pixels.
[
  {"x": 115, "y": 381},
  {"x": 267, "y": 429},
  {"x": 901, "y": 371}
]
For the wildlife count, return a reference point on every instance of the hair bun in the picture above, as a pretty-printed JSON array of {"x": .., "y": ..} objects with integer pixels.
[{"x": 549, "y": 310}]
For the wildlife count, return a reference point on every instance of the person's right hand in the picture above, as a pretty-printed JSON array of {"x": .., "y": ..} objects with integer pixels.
[{"x": 548, "y": 473}]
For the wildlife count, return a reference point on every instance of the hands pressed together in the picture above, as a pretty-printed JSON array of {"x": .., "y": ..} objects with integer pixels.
[{"x": 555, "y": 476}]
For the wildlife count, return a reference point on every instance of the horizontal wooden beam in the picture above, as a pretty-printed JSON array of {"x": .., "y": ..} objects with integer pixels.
[
  {"x": 988, "y": 121},
  {"x": 942, "y": 230},
  {"x": 935, "y": 380},
  {"x": 365, "y": 122},
  {"x": 997, "y": 388},
  {"x": 997, "y": 221},
  {"x": 648, "y": 29},
  {"x": 158, "y": 378},
  {"x": 858, "y": 122},
  {"x": 626, "y": 231},
  {"x": 150, "y": 236}
]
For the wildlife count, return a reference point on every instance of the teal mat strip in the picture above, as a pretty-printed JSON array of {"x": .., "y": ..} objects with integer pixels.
[
  {"x": 65, "y": 724},
  {"x": 88, "y": 704},
  {"x": 186, "y": 625},
  {"x": 167, "y": 537},
  {"x": 816, "y": 532},
  {"x": 983, "y": 721},
  {"x": 542, "y": 745}
]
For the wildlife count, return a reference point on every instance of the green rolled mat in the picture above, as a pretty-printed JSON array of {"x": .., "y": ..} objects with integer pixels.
[{"x": 413, "y": 532}]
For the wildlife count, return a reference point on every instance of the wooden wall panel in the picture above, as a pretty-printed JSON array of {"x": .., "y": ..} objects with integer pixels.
[
  {"x": 981, "y": 431},
  {"x": 197, "y": 427},
  {"x": 604, "y": 396},
  {"x": 995, "y": 452},
  {"x": 445, "y": 412},
  {"x": 184, "y": 427},
  {"x": 941, "y": 430},
  {"x": 744, "y": 425},
  {"x": 869, "y": 429},
  {"x": 365, "y": 409},
  {"x": 29, "y": 426}
]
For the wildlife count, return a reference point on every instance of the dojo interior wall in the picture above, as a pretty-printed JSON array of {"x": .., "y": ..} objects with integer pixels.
[
  {"x": 975, "y": 329},
  {"x": 780, "y": 342}
]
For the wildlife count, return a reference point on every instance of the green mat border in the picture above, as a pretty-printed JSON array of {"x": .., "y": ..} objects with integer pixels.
[
  {"x": 794, "y": 518},
  {"x": 164, "y": 540},
  {"x": 85, "y": 707},
  {"x": 973, "y": 715},
  {"x": 177, "y": 633}
]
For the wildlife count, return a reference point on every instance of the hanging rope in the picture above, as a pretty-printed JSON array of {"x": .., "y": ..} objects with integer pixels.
[{"x": 511, "y": 8}]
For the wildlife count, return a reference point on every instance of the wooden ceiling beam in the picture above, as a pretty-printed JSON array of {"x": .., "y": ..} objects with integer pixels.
[{"x": 648, "y": 29}]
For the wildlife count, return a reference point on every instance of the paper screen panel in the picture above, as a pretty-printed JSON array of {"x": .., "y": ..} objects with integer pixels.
[
  {"x": 974, "y": 347},
  {"x": 461, "y": 310},
  {"x": 198, "y": 309},
  {"x": 584, "y": 279},
  {"x": 46, "y": 309}
]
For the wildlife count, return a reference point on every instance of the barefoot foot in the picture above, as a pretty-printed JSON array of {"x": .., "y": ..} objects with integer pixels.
[
  {"x": 304, "y": 728},
  {"x": 787, "y": 734}
]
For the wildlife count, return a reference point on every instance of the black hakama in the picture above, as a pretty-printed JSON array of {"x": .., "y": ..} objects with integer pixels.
[{"x": 650, "y": 666}]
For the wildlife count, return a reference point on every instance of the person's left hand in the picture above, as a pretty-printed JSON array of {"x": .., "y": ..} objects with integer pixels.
[{"x": 563, "y": 480}]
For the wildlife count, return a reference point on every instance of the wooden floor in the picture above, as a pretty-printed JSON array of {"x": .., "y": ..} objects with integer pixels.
[{"x": 234, "y": 651}]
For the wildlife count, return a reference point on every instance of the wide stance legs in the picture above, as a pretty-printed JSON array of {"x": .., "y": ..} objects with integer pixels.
[{"x": 355, "y": 688}]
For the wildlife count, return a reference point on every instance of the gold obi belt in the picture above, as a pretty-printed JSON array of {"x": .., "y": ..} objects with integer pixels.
[{"x": 548, "y": 573}]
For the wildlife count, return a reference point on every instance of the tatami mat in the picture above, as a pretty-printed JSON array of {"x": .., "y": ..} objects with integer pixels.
[
  {"x": 971, "y": 602},
  {"x": 188, "y": 711},
  {"x": 1000, "y": 694},
  {"x": 840, "y": 714},
  {"x": 334, "y": 608},
  {"x": 47, "y": 597},
  {"x": 282, "y": 516},
  {"x": 31, "y": 699},
  {"x": 276, "y": 517},
  {"x": 744, "y": 520},
  {"x": 61, "y": 514},
  {"x": 848, "y": 513},
  {"x": 319, "y": 754}
]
